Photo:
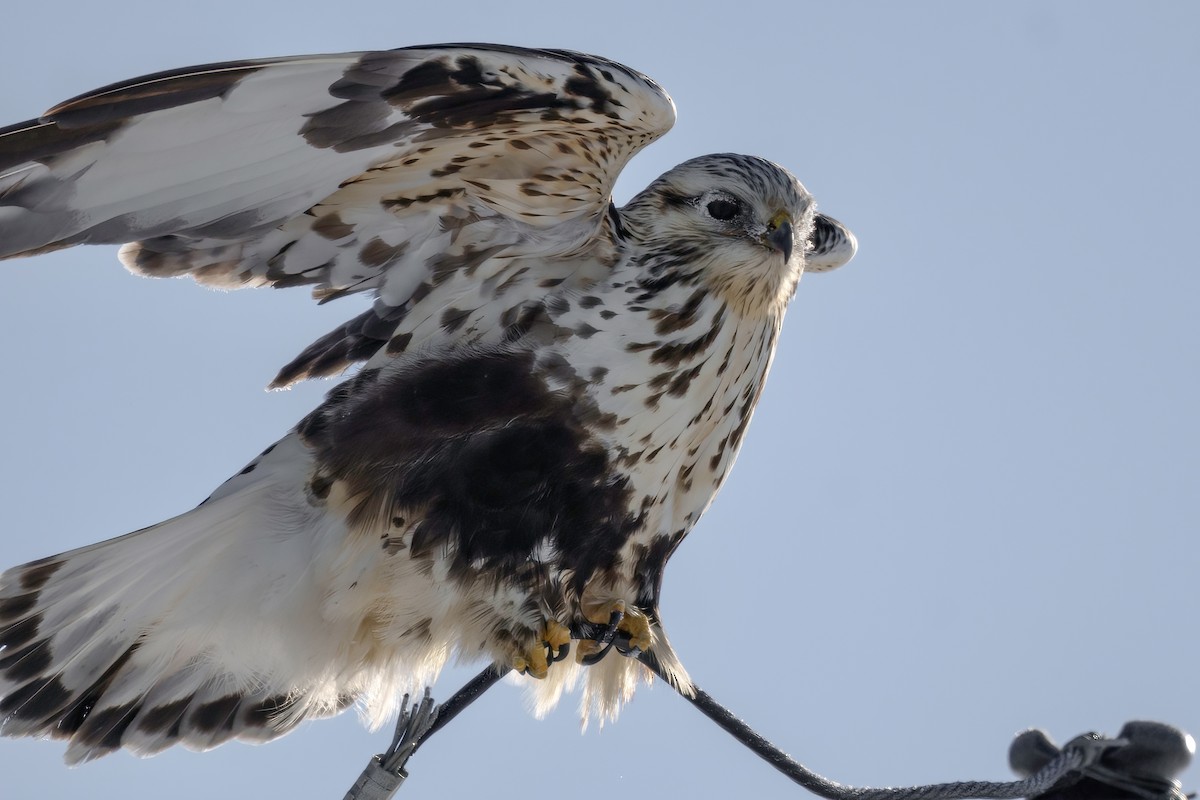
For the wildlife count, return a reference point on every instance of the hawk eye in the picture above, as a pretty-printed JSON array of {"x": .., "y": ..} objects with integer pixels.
[{"x": 723, "y": 209}]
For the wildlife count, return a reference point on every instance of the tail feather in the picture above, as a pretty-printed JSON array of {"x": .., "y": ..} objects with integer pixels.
[{"x": 145, "y": 641}]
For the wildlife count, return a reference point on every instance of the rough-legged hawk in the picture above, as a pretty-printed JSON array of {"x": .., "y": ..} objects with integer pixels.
[{"x": 552, "y": 389}]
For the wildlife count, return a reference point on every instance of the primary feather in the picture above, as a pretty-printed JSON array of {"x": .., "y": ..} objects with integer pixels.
[{"x": 553, "y": 389}]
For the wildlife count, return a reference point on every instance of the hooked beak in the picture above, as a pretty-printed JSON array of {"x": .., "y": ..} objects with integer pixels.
[{"x": 779, "y": 235}]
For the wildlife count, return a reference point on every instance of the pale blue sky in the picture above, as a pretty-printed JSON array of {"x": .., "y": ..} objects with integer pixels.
[{"x": 969, "y": 502}]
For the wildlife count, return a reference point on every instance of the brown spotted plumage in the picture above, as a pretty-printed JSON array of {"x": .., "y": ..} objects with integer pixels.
[{"x": 552, "y": 389}]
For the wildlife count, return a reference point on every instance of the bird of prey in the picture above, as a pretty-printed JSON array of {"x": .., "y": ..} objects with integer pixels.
[{"x": 550, "y": 389}]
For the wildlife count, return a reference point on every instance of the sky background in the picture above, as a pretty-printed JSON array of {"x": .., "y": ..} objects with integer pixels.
[{"x": 969, "y": 501}]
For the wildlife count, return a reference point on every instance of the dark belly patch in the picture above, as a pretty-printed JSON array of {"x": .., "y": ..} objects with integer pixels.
[{"x": 503, "y": 467}]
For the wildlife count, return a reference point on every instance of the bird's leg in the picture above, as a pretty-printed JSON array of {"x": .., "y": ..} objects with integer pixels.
[
  {"x": 553, "y": 644},
  {"x": 618, "y": 618}
]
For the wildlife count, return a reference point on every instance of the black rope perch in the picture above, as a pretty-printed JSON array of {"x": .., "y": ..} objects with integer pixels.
[{"x": 1140, "y": 764}]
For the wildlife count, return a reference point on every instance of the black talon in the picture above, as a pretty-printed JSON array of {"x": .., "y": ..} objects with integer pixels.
[
  {"x": 606, "y": 638},
  {"x": 553, "y": 657},
  {"x": 625, "y": 649}
]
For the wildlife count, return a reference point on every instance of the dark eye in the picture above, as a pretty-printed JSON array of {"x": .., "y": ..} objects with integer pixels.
[{"x": 723, "y": 210}]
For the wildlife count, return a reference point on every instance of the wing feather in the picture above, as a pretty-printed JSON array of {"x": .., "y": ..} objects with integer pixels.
[{"x": 348, "y": 172}]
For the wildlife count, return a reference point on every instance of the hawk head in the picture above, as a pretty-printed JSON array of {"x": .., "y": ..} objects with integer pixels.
[{"x": 741, "y": 225}]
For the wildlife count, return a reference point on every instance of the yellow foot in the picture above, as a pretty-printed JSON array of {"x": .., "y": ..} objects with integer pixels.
[
  {"x": 556, "y": 636},
  {"x": 545, "y": 651},
  {"x": 633, "y": 622}
]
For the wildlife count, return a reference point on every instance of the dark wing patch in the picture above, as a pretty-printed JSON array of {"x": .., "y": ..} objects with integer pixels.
[
  {"x": 118, "y": 102},
  {"x": 36, "y": 140},
  {"x": 356, "y": 340}
]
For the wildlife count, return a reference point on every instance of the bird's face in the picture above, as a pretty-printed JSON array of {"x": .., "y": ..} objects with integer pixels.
[{"x": 744, "y": 222}]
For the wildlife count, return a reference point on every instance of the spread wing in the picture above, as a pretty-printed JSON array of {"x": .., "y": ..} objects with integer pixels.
[{"x": 377, "y": 171}]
